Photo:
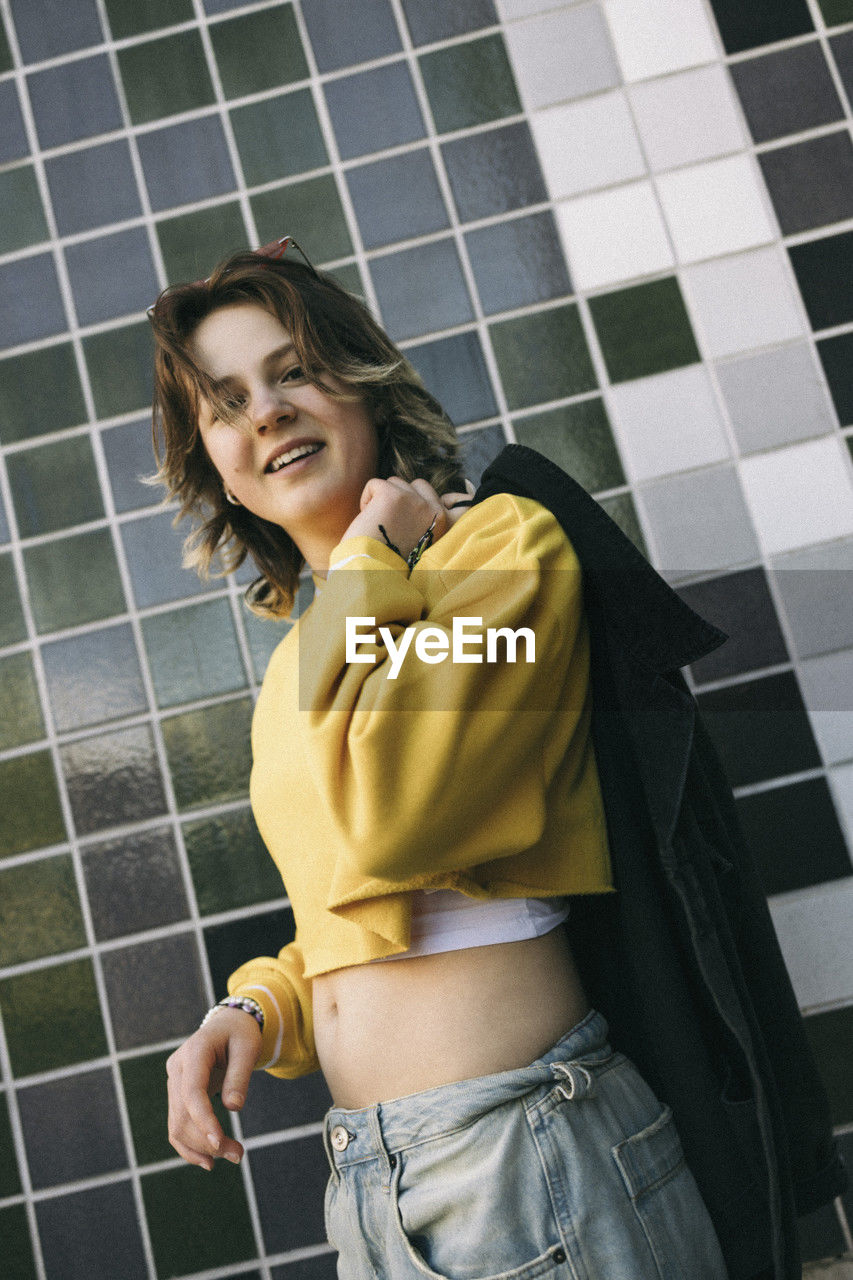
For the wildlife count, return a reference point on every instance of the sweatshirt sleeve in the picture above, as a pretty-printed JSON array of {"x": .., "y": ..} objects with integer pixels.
[
  {"x": 445, "y": 766},
  {"x": 284, "y": 993}
]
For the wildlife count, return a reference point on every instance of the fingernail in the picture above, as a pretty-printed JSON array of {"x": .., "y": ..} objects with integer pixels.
[
  {"x": 235, "y": 1099},
  {"x": 213, "y": 1140},
  {"x": 232, "y": 1156}
]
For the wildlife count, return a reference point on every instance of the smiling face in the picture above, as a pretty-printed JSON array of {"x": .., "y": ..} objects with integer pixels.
[{"x": 297, "y": 457}]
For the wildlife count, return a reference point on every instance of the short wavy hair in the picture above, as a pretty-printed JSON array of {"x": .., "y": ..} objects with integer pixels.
[{"x": 333, "y": 334}]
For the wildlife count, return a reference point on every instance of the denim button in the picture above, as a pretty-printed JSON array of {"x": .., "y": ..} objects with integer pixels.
[{"x": 340, "y": 1137}]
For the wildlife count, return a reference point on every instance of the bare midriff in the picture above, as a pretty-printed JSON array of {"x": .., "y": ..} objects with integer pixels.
[{"x": 387, "y": 1030}]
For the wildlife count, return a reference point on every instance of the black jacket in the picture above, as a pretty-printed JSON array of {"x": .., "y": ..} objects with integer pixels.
[{"x": 683, "y": 959}]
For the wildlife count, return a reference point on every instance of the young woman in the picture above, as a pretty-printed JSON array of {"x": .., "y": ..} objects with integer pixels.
[{"x": 430, "y": 808}]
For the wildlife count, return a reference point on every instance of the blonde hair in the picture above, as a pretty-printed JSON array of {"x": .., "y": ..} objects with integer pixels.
[{"x": 333, "y": 333}]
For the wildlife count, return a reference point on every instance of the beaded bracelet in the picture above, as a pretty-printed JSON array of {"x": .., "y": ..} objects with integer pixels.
[{"x": 246, "y": 1003}]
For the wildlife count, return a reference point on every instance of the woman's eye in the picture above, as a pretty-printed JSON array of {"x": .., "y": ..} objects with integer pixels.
[{"x": 294, "y": 374}]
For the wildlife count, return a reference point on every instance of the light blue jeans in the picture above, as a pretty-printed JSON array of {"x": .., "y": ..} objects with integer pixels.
[{"x": 570, "y": 1167}]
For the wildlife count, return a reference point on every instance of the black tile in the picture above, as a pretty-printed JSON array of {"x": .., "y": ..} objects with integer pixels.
[
  {"x": 230, "y": 945},
  {"x": 291, "y": 1173},
  {"x": 113, "y": 778},
  {"x": 75, "y": 1243},
  {"x": 745, "y": 26},
  {"x": 842, "y": 51},
  {"x": 397, "y": 199},
  {"x": 374, "y": 110},
  {"x": 786, "y": 91},
  {"x": 761, "y": 728},
  {"x": 517, "y": 263},
  {"x": 479, "y": 448},
  {"x": 13, "y": 136},
  {"x": 146, "y": 1002},
  {"x": 53, "y": 27},
  {"x": 30, "y": 302},
  {"x": 129, "y": 455},
  {"x": 76, "y": 100},
  {"x": 17, "y": 1247},
  {"x": 741, "y": 604},
  {"x": 824, "y": 271},
  {"x": 831, "y": 1035},
  {"x": 134, "y": 883},
  {"x": 795, "y": 836},
  {"x": 214, "y": 1203},
  {"x": 494, "y": 172},
  {"x": 112, "y": 276},
  {"x": 430, "y": 20},
  {"x": 10, "y": 1181},
  {"x": 836, "y": 356},
  {"x": 274, "y": 1104},
  {"x": 819, "y": 1234},
  {"x": 93, "y": 187},
  {"x": 186, "y": 162},
  {"x": 811, "y": 183},
  {"x": 454, "y": 370},
  {"x": 343, "y": 33},
  {"x": 324, "y": 1266},
  {"x": 72, "y": 1128}
]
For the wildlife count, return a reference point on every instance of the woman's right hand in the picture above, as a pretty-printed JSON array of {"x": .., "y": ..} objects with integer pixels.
[{"x": 219, "y": 1057}]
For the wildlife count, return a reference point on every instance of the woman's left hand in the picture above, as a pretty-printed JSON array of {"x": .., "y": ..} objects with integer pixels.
[
  {"x": 449, "y": 501},
  {"x": 405, "y": 509}
]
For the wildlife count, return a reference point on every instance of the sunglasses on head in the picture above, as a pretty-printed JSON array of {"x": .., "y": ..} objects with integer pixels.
[{"x": 274, "y": 250}]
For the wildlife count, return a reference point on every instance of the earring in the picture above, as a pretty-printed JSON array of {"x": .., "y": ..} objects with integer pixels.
[{"x": 229, "y": 497}]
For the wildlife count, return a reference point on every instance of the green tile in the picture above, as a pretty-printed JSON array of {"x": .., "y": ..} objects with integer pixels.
[
  {"x": 130, "y": 17},
  {"x": 644, "y": 330},
  {"x": 470, "y": 84},
  {"x": 74, "y": 580},
  {"x": 258, "y": 51},
  {"x": 23, "y": 220},
  {"x": 12, "y": 625},
  {"x": 164, "y": 77},
  {"x": 215, "y": 1204},
  {"x": 579, "y": 439},
  {"x": 52, "y": 1017},
  {"x": 264, "y": 635},
  {"x": 10, "y": 1182},
  {"x": 144, "y": 1083},
  {"x": 209, "y": 753},
  {"x": 39, "y": 910},
  {"x": 229, "y": 862},
  {"x": 54, "y": 486},
  {"x": 120, "y": 364},
  {"x": 17, "y": 1250},
  {"x": 836, "y": 11},
  {"x": 193, "y": 243},
  {"x": 279, "y": 137},
  {"x": 831, "y": 1035},
  {"x": 348, "y": 277},
  {"x": 40, "y": 392},
  {"x": 313, "y": 205},
  {"x": 30, "y": 812},
  {"x": 621, "y": 509},
  {"x": 194, "y": 653},
  {"x": 21, "y": 720},
  {"x": 542, "y": 356}
]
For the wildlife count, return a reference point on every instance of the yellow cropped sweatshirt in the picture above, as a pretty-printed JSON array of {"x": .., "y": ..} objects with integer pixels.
[{"x": 464, "y": 774}]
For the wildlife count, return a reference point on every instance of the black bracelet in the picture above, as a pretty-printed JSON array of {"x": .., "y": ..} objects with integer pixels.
[
  {"x": 389, "y": 543},
  {"x": 466, "y": 502},
  {"x": 421, "y": 545}
]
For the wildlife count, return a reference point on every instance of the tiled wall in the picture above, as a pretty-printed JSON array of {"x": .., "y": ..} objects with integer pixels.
[{"x": 618, "y": 231}]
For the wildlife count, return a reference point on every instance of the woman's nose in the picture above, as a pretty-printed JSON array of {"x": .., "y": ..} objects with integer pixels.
[{"x": 270, "y": 406}]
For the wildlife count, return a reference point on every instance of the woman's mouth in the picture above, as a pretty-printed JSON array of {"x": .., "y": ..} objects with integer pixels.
[{"x": 291, "y": 457}]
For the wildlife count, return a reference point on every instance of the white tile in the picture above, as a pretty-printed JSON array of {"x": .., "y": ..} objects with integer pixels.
[
  {"x": 715, "y": 208},
  {"x": 704, "y": 104},
  {"x": 841, "y": 786},
  {"x": 800, "y": 494},
  {"x": 827, "y": 684},
  {"x": 667, "y": 423},
  {"x": 814, "y": 934},
  {"x": 561, "y": 55},
  {"x": 656, "y": 36},
  {"x": 614, "y": 235},
  {"x": 510, "y": 10},
  {"x": 743, "y": 301},
  {"x": 587, "y": 144},
  {"x": 775, "y": 397}
]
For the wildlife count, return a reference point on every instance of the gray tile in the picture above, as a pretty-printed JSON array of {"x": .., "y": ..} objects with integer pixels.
[
  {"x": 699, "y": 522},
  {"x": 134, "y": 883},
  {"x": 93, "y": 187},
  {"x": 816, "y": 585},
  {"x": 396, "y": 199},
  {"x": 562, "y": 55},
  {"x": 74, "y": 1242},
  {"x": 517, "y": 263},
  {"x": 775, "y": 397},
  {"x": 77, "y": 100},
  {"x": 30, "y": 301},
  {"x": 374, "y": 110},
  {"x": 287, "y": 1172},
  {"x": 494, "y": 172},
  {"x": 129, "y": 454},
  {"x": 454, "y": 370},
  {"x": 421, "y": 290},
  {"x": 842, "y": 51},
  {"x": 146, "y": 1003},
  {"x": 811, "y": 183},
  {"x": 479, "y": 448},
  {"x": 153, "y": 550},
  {"x": 72, "y": 1128},
  {"x": 93, "y": 677},
  {"x": 112, "y": 276},
  {"x": 741, "y": 604},
  {"x": 430, "y": 20},
  {"x": 786, "y": 91},
  {"x": 113, "y": 778},
  {"x": 186, "y": 162},
  {"x": 53, "y": 27},
  {"x": 13, "y": 135},
  {"x": 343, "y": 33}
]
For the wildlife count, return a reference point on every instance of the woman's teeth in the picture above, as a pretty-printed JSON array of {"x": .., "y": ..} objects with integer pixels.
[{"x": 301, "y": 451}]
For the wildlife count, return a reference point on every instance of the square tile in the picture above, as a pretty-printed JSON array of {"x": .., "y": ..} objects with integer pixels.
[
  {"x": 479, "y": 448},
  {"x": 260, "y": 934},
  {"x": 186, "y": 162},
  {"x": 699, "y": 522},
  {"x": 814, "y": 584},
  {"x": 10, "y": 1182},
  {"x": 454, "y": 370},
  {"x": 667, "y": 423},
  {"x": 43, "y": 506},
  {"x": 193, "y": 653},
  {"x": 127, "y": 449},
  {"x": 836, "y": 356},
  {"x": 786, "y": 91},
  {"x": 397, "y": 198},
  {"x": 72, "y": 1128},
  {"x": 760, "y": 728},
  {"x": 257, "y": 51},
  {"x": 766, "y": 310},
  {"x": 799, "y": 494},
  {"x": 263, "y": 636},
  {"x": 518, "y": 263},
  {"x": 229, "y": 862},
  {"x": 579, "y": 439},
  {"x": 23, "y": 214},
  {"x": 494, "y": 172},
  {"x": 430, "y": 20},
  {"x": 741, "y": 604},
  {"x": 747, "y": 26},
  {"x": 421, "y": 289},
  {"x": 775, "y": 397},
  {"x": 836, "y": 11},
  {"x": 142, "y": 1079},
  {"x": 469, "y": 84},
  {"x": 587, "y": 144},
  {"x": 593, "y": 229},
  {"x": 374, "y": 109},
  {"x": 164, "y": 77},
  {"x": 13, "y": 140},
  {"x": 30, "y": 813},
  {"x": 296, "y": 1171},
  {"x": 112, "y": 779},
  {"x": 271, "y": 1108},
  {"x": 829, "y": 1033},
  {"x": 715, "y": 208},
  {"x": 193, "y": 243},
  {"x": 39, "y": 911},
  {"x": 643, "y": 330},
  {"x": 146, "y": 1004},
  {"x": 652, "y": 40},
  {"x": 134, "y": 883},
  {"x": 542, "y": 356},
  {"x": 55, "y": 571},
  {"x": 133, "y": 17},
  {"x": 40, "y": 392},
  {"x": 31, "y": 305},
  {"x": 52, "y": 1017},
  {"x": 343, "y": 34},
  {"x": 811, "y": 183},
  {"x": 74, "y": 1242},
  {"x": 826, "y": 683},
  {"x": 112, "y": 276},
  {"x": 74, "y": 100},
  {"x": 93, "y": 677},
  {"x": 842, "y": 51},
  {"x": 563, "y": 54},
  {"x": 279, "y": 137},
  {"x": 705, "y": 106},
  {"x": 224, "y": 6},
  {"x": 621, "y": 509},
  {"x": 120, "y": 364},
  {"x": 153, "y": 550},
  {"x": 22, "y": 720},
  {"x": 824, "y": 271},
  {"x": 216, "y": 1204},
  {"x": 209, "y": 753},
  {"x": 321, "y": 1266},
  {"x": 794, "y": 835},
  {"x": 92, "y": 187},
  {"x": 62, "y": 29},
  {"x": 315, "y": 205},
  {"x": 511, "y": 10}
]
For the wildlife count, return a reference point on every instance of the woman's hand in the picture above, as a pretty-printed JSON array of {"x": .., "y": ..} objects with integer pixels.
[
  {"x": 219, "y": 1057},
  {"x": 406, "y": 510}
]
